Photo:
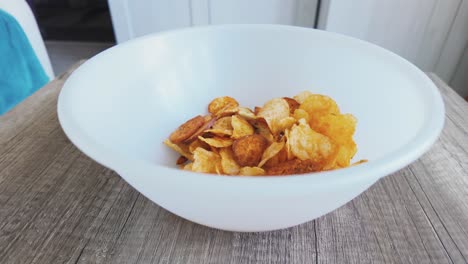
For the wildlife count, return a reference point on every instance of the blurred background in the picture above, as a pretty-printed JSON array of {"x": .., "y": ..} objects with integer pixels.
[{"x": 432, "y": 34}]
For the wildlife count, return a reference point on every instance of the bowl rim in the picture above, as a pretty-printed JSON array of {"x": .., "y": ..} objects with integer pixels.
[{"x": 403, "y": 156}]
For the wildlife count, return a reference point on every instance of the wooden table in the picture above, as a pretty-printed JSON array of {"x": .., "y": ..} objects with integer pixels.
[{"x": 59, "y": 206}]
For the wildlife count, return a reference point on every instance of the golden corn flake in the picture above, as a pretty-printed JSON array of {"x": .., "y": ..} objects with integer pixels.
[
  {"x": 252, "y": 171},
  {"x": 240, "y": 127}
]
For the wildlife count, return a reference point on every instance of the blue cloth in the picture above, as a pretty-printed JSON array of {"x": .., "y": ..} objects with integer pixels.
[{"x": 21, "y": 73}]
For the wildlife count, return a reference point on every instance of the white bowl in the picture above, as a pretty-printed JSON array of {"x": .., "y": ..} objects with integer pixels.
[{"x": 119, "y": 106}]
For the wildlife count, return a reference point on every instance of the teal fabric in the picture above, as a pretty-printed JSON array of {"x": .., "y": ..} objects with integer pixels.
[{"x": 21, "y": 73}]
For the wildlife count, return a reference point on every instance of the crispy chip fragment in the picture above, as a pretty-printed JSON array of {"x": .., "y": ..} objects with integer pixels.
[
  {"x": 317, "y": 105},
  {"x": 271, "y": 151},
  {"x": 188, "y": 166},
  {"x": 340, "y": 129},
  {"x": 246, "y": 113},
  {"x": 240, "y": 127},
  {"x": 251, "y": 171},
  {"x": 187, "y": 129},
  {"x": 359, "y": 162},
  {"x": 217, "y": 142},
  {"x": 208, "y": 123},
  {"x": 181, "y": 160},
  {"x": 222, "y": 106},
  {"x": 222, "y": 127},
  {"x": 301, "y": 114},
  {"x": 179, "y": 148},
  {"x": 261, "y": 127},
  {"x": 285, "y": 123},
  {"x": 293, "y": 104},
  {"x": 228, "y": 164},
  {"x": 306, "y": 144},
  {"x": 295, "y": 166},
  {"x": 257, "y": 110},
  {"x": 205, "y": 161},
  {"x": 302, "y": 96},
  {"x": 197, "y": 144},
  {"x": 248, "y": 150},
  {"x": 274, "y": 111}
]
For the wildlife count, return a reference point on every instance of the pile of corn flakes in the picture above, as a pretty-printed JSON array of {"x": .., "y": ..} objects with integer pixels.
[{"x": 306, "y": 133}]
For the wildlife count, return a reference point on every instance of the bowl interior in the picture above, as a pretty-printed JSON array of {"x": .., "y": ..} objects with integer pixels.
[{"x": 130, "y": 98}]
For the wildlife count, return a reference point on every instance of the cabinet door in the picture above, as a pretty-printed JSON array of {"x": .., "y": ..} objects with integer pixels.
[
  {"x": 432, "y": 34},
  {"x": 133, "y": 18},
  {"x": 414, "y": 29}
]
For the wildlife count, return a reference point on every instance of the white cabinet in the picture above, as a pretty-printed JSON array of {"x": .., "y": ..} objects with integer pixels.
[
  {"x": 432, "y": 34},
  {"x": 133, "y": 18}
]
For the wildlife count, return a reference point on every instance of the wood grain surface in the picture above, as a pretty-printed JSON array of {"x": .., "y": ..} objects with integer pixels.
[{"x": 59, "y": 206}]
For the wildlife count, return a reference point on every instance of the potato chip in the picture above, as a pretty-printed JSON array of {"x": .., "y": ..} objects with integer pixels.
[
  {"x": 240, "y": 127},
  {"x": 197, "y": 144},
  {"x": 251, "y": 171},
  {"x": 261, "y": 128},
  {"x": 219, "y": 168},
  {"x": 179, "y": 148},
  {"x": 217, "y": 142},
  {"x": 246, "y": 113},
  {"x": 306, "y": 144},
  {"x": 181, "y": 160},
  {"x": 302, "y": 96},
  {"x": 301, "y": 114},
  {"x": 208, "y": 123},
  {"x": 222, "y": 127},
  {"x": 289, "y": 153},
  {"x": 293, "y": 104},
  {"x": 271, "y": 151},
  {"x": 273, "y": 111},
  {"x": 257, "y": 110},
  {"x": 248, "y": 150},
  {"x": 222, "y": 106},
  {"x": 317, "y": 105},
  {"x": 205, "y": 161},
  {"x": 228, "y": 164},
  {"x": 359, "y": 162},
  {"x": 295, "y": 166},
  {"x": 345, "y": 154},
  {"x": 285, "y": 123},
  {"x": 187, "y": 129},
  {"x": 340, "y": 129},
  {"x": 188, "y": 167}
]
